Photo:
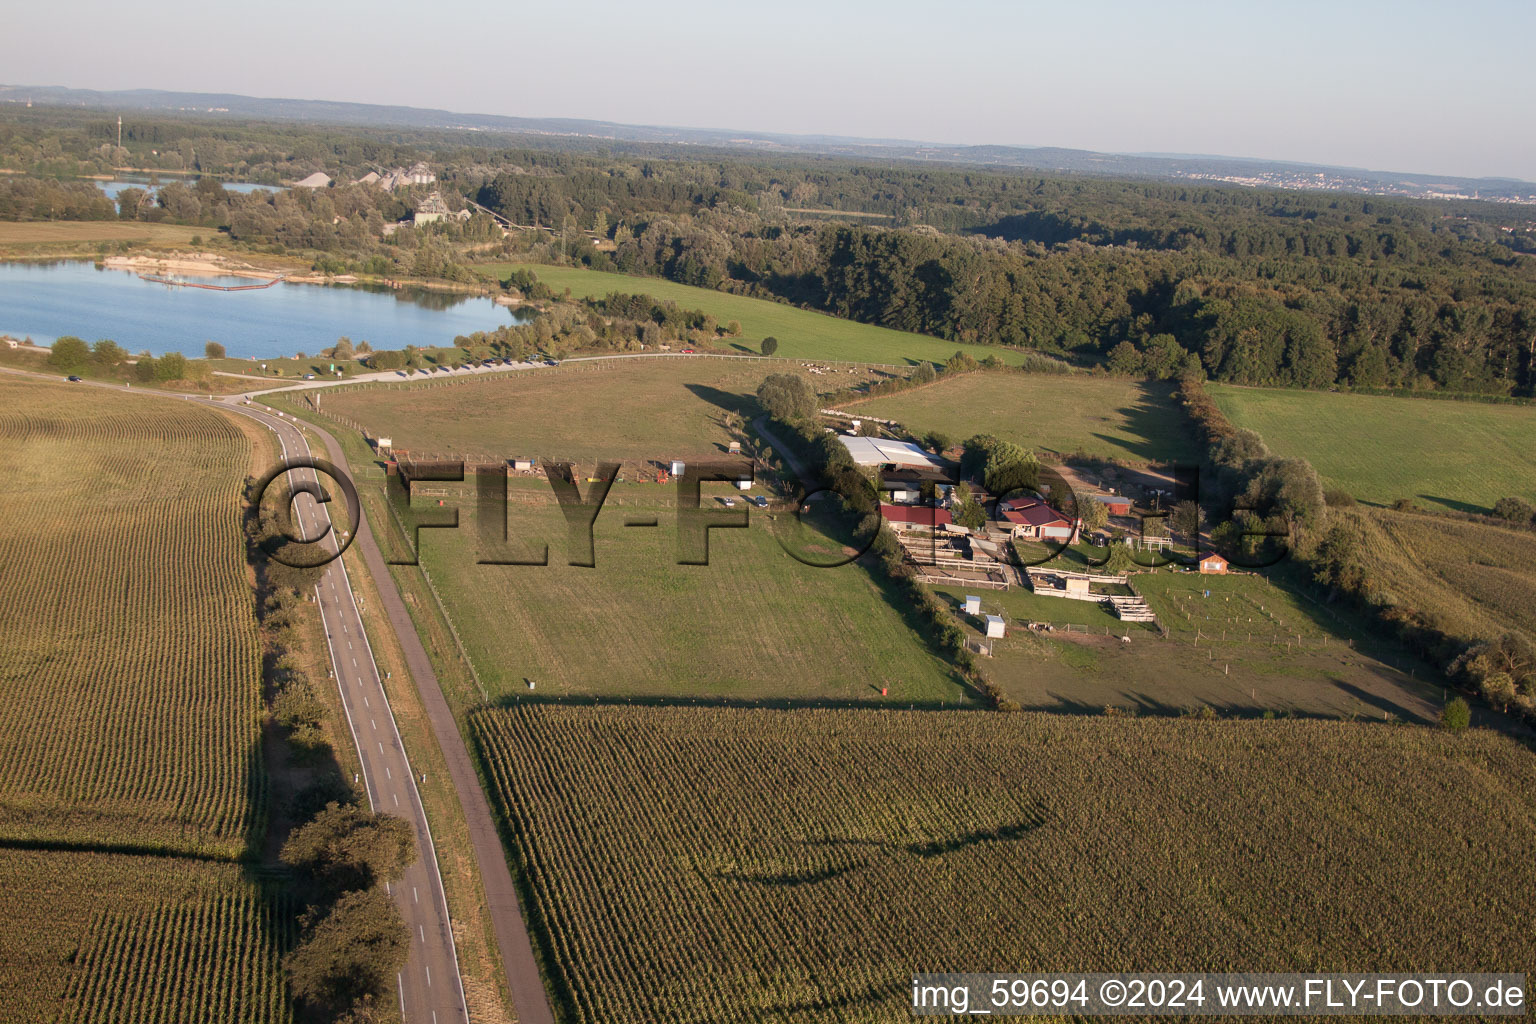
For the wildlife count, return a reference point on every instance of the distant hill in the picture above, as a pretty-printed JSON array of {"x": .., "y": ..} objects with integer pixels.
[{"x": 1212, "y": 169}]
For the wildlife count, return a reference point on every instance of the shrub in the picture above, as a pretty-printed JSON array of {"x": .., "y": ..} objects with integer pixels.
[
  {"x": 1516, "y": 510},
  {"x": 770, "y": 343},
  {"x": 213, "y": 350},
  {"x": 69, "y": 353},
  {"x": 1456, "y": 716}
]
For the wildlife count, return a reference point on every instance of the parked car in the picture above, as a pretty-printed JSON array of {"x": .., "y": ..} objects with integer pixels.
[
  {"x": 729, "y": 502},
  {"x": 309, "y": 376},
  {"x": 551, "y": 362},
  {"x": 687, "y": 351},
  {"x": 77, "y": 379},
  {"x": 760, "y": 501}
]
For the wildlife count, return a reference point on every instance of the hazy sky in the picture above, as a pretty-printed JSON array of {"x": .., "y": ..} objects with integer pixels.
[{"x": 1409, "y": 85}]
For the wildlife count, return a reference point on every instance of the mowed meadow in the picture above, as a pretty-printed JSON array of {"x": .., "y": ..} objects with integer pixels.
[
  {"x": 625, "y": 408},
  {"x": 1060, "y": 414},
  {"x": 131, "y": 777},
  {"x": 1459, "y": 455},
  {"x": 801, "y": 333},
  {"x": 755, "y": 624},
  {"x": 752, "y": 865}
]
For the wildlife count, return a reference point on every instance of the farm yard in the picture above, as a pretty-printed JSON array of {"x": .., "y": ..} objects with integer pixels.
[
  {"x": 1058, "y": 414},
  {"x": 634, "y": 409},
  {"x": 1249, "y": 648},
  {"x": 751, "y": 865},
  {"x": 130, "y": 689},
  {"x": 1460, "y": 455},
  {"x": 802, "y": 334},
  {"x": 101, "y": 938}
]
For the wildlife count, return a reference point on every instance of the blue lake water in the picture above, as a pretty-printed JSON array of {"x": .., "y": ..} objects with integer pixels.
[
  {"x": 48, "y": 301},
  {"x": 112, "y": 188}
]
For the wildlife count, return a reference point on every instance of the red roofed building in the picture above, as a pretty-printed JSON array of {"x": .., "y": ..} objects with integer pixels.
[
  {"x": 909, "y": 517},
  {"x": 1212, "y": 564},
  {"x": 1035, "y": 520},
  {"x": 1114, "y": 504}
]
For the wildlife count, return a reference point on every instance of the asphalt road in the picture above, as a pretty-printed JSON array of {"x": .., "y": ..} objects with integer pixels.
[
  {"x": 524, "y": 982},
  {"x": 430, "y": 988}
]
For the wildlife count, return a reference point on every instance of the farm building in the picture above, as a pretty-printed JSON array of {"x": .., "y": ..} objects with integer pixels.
[
  {"x": 1212, "y": 564},
  {"x": 972, "y": 604},
  {"x": 317, "y": 180},
  {"x": 1114, "y": 504},
  {"x": 1029, "y": 519},
  {"x": 878, "y": 451},
  {"x": 910, "y": 517},
  {"x": 996, "y": 627},
  {"x": 522, "y": 464}
]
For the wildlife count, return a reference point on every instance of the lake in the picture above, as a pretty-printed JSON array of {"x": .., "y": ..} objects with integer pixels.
[
  {"x": 47, "y": 301},
  {"x": 112, "y": 188}
]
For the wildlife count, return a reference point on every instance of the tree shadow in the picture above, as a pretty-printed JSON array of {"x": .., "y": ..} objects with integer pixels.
[
  {"x": 1455, "y": 505},
  {"x": 743, "y": 405},
  {"x": 1379, "y": 702}
]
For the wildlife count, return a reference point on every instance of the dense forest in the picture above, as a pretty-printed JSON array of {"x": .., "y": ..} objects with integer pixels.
[{"x": 1245, "y": 285}]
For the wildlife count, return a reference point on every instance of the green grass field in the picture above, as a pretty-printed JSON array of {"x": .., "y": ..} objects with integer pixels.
[
  {"x": 746, "y": 865},
  {"x": 1463, "y": 455},
  {"x": 802, "y": 334},
  {"x": 753, "y": 624},
  {"x": 1105, "y": 417},
  {"x": 633, "y": 409}
]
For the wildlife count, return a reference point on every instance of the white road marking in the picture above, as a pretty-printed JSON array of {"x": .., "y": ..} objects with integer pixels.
[
  {"x": 397, "y": 799},
  {"x": 429, "y": 976},
  {"x": 414, "y": 897},
  {"x": 422, "y": 929},
  {"x": 373, "y": 723}
]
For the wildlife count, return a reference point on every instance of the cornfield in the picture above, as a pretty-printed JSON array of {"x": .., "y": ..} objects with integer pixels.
[
  {"x": 732, "y": 865},
  {"x": 91, "y": 937},
  {"x": 130, "y": 696}
]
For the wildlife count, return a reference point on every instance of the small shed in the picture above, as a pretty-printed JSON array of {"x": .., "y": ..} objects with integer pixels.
[
  {"x": 1212, "y": 564},
  {"x": 972, "y": 604},
  {"x": 996, "y": 627},
  {"x": 734, "y": 447},
  {"x": 744, "y": 484},
  {"x": 522, "y": 464},
  {"x": 1114, "y": 504},
  {"x": 678, "y": 466}
]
